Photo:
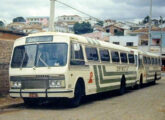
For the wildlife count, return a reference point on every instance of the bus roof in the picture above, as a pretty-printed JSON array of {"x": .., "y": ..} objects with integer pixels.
[
  {"x": 90, "y": 41},
  {"x": 86, "y": 40}
]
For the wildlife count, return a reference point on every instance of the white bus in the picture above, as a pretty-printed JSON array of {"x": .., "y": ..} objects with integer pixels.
[
  {"x": 61, "y": 65},
  {"x": 149, "y": 69}
]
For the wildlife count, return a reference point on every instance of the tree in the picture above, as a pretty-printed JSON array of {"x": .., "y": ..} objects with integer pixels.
[
  {"x": 100, "y": 23},
  {"x": 2, "y": 24},
  {"x": 82, "y": 28},
  {"x": 19, "y": 19},
  {"x": 146, "y": 20}
]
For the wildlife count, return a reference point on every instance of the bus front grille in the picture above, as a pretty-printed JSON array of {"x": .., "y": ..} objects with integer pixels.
[{"x": 34, "y": 84}]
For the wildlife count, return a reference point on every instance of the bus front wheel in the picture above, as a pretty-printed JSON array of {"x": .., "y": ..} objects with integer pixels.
[
  {"x": 74, "y": 102},
  {"x": 30, "y": 102}
]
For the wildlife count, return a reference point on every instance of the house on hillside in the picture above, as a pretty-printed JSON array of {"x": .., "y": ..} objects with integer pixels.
[
  {"x": 98, "y": 35},
  {"x": 70, "y": 20},
  {"x": 43, "y": 21},
  {"x": 117, "y": 30}
]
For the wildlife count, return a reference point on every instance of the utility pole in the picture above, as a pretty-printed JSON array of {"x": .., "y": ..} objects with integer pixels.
[
  {"x": 149, "y": 28},
  {"x": 51, "y": 18},
  {"x": 161, "y": 43}
]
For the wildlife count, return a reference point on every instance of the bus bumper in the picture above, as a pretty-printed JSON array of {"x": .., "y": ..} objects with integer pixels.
[{"x": 48, "y": 93}]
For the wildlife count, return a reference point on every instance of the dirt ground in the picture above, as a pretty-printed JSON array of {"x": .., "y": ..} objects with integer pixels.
[{"x": 6, "y": 100}]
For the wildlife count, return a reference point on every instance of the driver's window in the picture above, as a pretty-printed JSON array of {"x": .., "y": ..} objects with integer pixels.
[{"x": 77, "y": 57}]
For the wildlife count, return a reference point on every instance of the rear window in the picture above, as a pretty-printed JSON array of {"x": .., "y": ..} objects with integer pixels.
[
  {"x": 91, "y": 53},
  {"x": 115, "y": 56},
  {"x": 131, "y": 58},
  {"x": 104, "y": 55}
]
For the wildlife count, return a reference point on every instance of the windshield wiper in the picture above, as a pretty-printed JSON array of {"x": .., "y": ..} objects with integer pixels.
[
  {"x": 22, "y": 60},
  {"x": 39, "y": 58}
]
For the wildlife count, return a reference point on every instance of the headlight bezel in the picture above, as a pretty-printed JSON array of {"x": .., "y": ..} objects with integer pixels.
[
  {"x": 56, "y": 83},
  {"x": 15, "y": 84}
]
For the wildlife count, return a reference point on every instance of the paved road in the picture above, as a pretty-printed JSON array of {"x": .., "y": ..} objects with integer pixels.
[{"x": 142, "y": 104}]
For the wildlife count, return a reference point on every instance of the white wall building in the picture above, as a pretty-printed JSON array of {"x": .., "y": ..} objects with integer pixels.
[
  {"x": 69, "y": 18},
  {"x": 129, "y": 41},
  {"x": 44, "y": 21}
]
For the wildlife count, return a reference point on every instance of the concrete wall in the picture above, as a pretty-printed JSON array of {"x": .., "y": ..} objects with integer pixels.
[
  {"x": 6, "y": 47},
  {"x": 124, "y": 39}
]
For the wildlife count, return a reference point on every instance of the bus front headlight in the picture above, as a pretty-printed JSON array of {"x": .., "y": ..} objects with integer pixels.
[
  {"x": 16, "y": 84},
  {"x": 56, "y": 83}
]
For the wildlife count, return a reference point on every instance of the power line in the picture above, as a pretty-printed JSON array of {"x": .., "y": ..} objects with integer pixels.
[
  {"x": 78, "y": 10},
  {"x": 125, "y": 19}
]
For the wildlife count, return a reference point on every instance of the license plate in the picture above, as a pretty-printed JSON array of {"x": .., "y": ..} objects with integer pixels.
[{"x": 33, "y": 95}]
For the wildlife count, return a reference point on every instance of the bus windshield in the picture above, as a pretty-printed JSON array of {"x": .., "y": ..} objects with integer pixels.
[{"x": 40, "y": 55}]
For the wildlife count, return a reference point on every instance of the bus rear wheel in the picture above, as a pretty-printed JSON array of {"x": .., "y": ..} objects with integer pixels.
[
  {"x": 141, "y": 85},
  {"x": 122, "y": 86},
  {"x": 155, "y": 78}
]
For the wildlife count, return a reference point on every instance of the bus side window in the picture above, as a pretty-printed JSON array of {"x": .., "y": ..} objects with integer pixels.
[
  {"x": 148, "y": 60},
  {"x": 152, "y": 60},
  {"x": 145, "y": 60},
  {"x": 155, "y": 61},
  {"x": 159, "y": 61},
  {"x": 92, "y": 53},
  {"x": 131, "y": 58},
  {"x": 136, "y": 61},
  {"x": 115, "y": 56},
  {"x": 123, "y": 57},
  {"x": 77, "y": 57},
  {"x": 140, "y": 60},
  {"x": 104, "y": 55}
]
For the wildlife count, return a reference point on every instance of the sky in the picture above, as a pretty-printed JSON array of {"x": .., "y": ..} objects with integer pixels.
[{"x": 102, "y": 9}]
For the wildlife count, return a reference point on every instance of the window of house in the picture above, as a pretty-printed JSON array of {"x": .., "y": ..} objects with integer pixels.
[
  {"x": 115, "y": 56},
  {"x": 131, "y": 58},
  {"x": 91, "y": 53},
  {"x": 123, "y": 57},
  {"x": 77, "y": 57},
  {"x": 129, "y": 44},
  {"x": 117, "y": 43},
  {"x": 104, "y": 55},
  {"x": 115, "y": 30},
  {"x": 144, "y": 43},
  {"x": 107, "y": 30}
]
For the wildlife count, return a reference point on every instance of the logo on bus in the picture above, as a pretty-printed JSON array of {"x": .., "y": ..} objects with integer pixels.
[{"x": 91, "y": 78}]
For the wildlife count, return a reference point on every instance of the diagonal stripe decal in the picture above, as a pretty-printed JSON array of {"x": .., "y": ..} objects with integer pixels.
[{"x": 97, "y": 69}]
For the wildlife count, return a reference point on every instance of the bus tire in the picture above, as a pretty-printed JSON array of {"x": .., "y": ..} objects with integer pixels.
[
  {"x": 30, "y": 102},
  {"x": 155, "y": 78},
  {"x": 141, "y": 82},
  {"x": 78, "y": 93},
  {"x": 122, "y": 86}
]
